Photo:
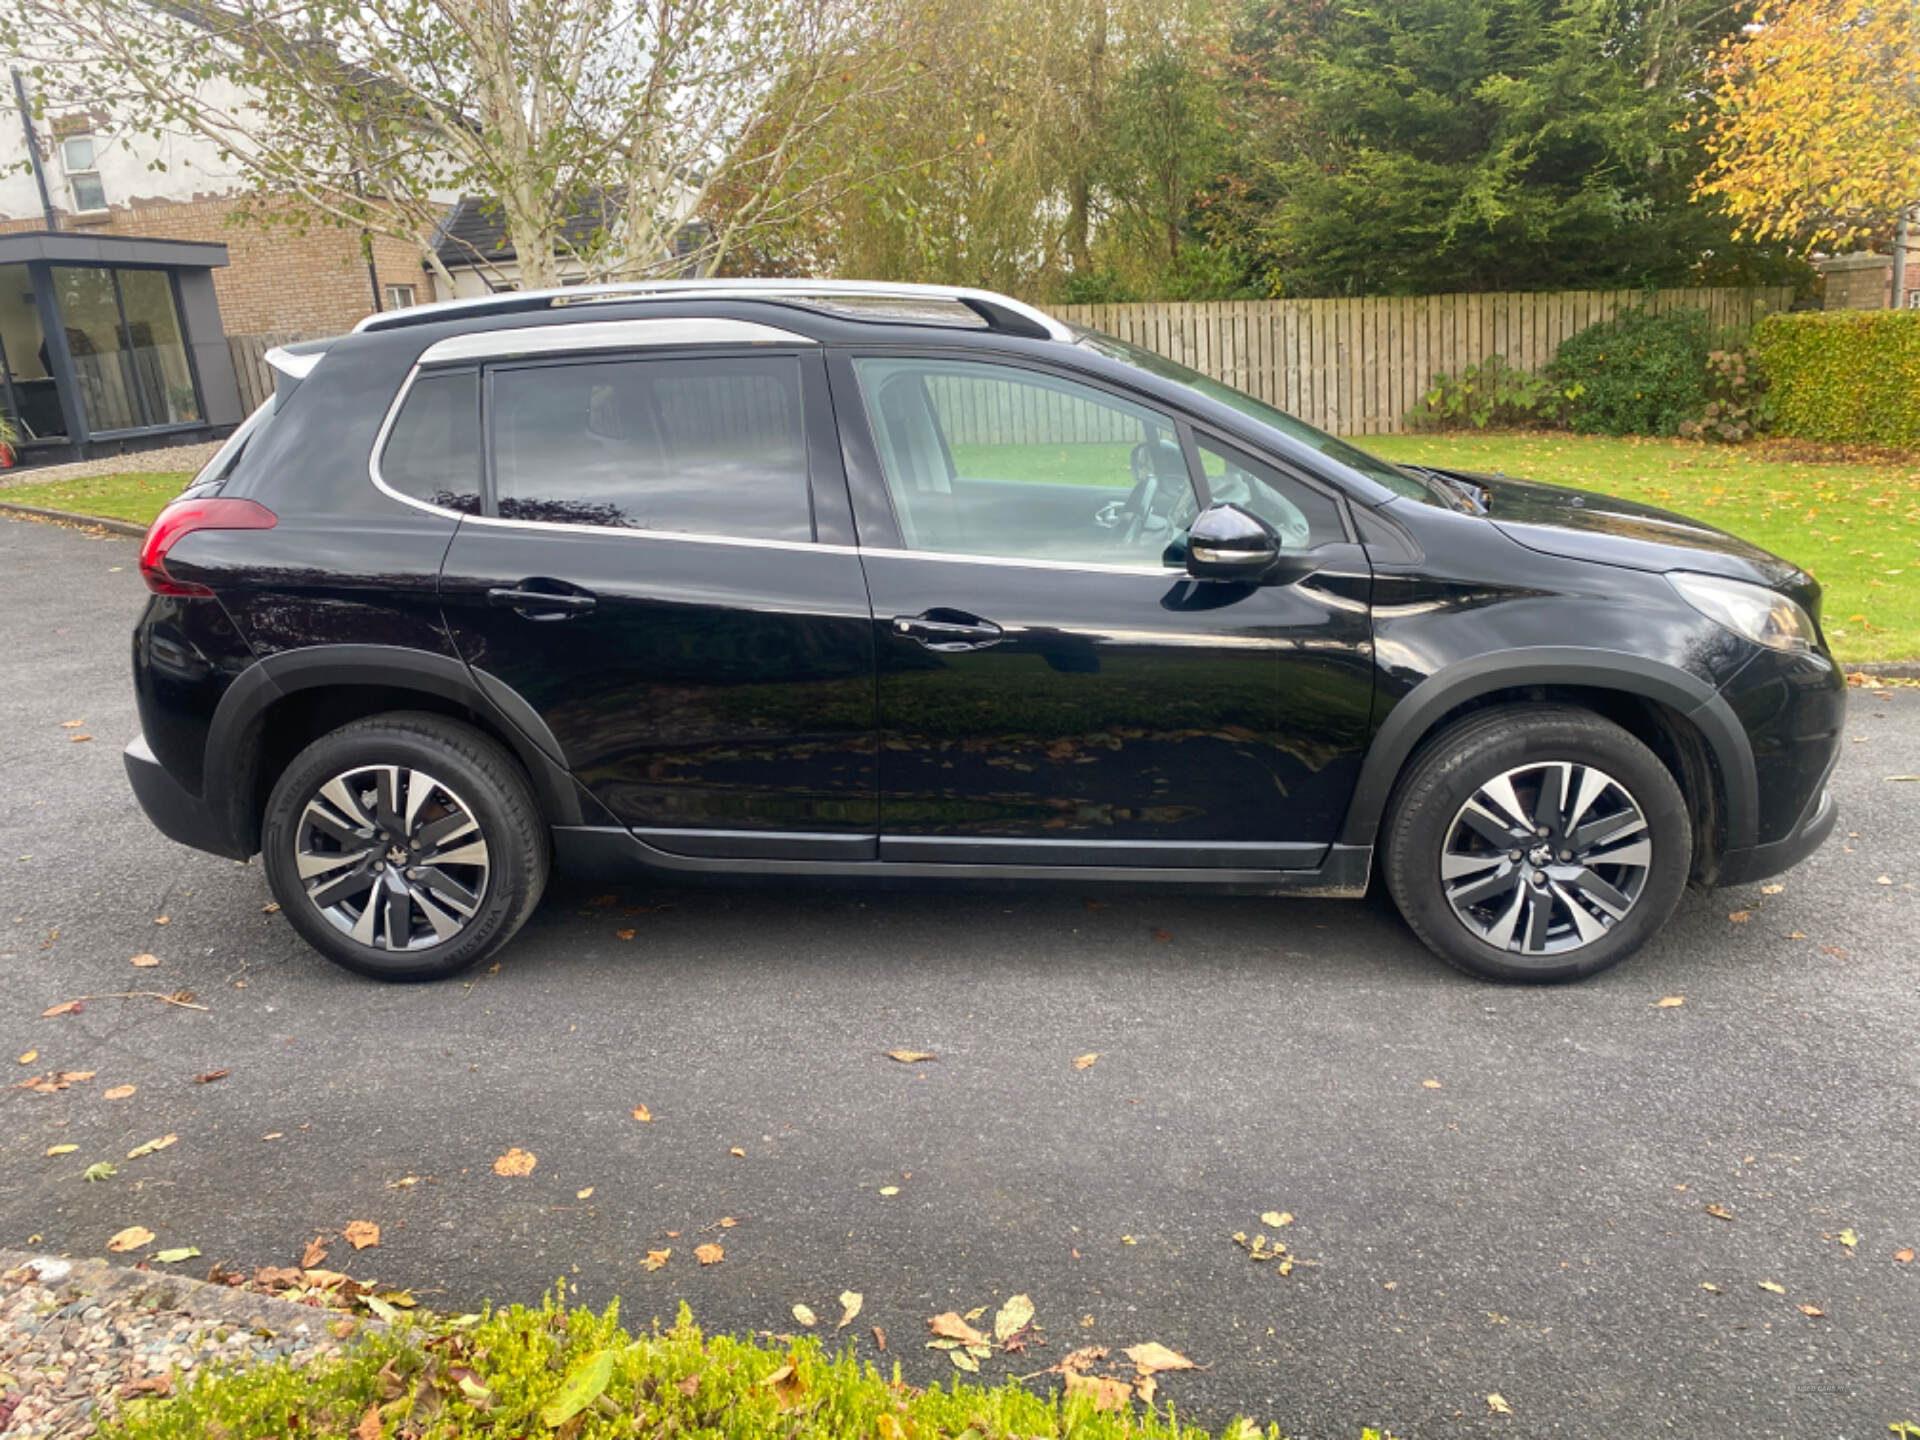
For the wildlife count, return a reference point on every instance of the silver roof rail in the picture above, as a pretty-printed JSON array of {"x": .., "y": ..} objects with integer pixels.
[{"x": 1000, "y": 312}]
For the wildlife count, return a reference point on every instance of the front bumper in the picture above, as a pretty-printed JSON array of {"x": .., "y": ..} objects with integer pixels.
[
  {"x": 176, "y": 812},
  {"x": 1757, "y": 862}
]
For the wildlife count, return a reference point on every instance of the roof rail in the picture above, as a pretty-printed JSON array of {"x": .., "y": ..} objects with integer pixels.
[{"x": 1000, "y": 312}]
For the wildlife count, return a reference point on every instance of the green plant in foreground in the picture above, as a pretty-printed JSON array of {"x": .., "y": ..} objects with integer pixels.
[
  {"x": 580, "y": 1375},
  {"x": 1490, "y": 393}
]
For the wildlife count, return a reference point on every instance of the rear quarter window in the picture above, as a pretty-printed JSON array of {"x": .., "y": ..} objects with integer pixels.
[{"x": 432, "y": 453}]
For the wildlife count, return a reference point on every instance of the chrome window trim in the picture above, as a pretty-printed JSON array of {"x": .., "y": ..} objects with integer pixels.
[{"x": 508, "y": 343}]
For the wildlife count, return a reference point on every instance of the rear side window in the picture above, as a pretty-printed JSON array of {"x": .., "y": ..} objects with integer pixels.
[
  {"x": 700, "y": 447},
  {"x": 433, "y": 450}
]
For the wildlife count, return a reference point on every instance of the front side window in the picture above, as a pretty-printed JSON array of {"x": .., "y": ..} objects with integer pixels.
[
  {"x": 433, "y": 451},
  {"x": 691, "y": 446},
  {"x": 1302, "y": 517},
  {"x": 77, "y": 158},
  {"x": 986, "y": 459}
]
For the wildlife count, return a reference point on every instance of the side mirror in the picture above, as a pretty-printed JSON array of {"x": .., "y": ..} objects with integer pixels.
[{"x": 1228, "y": 543}]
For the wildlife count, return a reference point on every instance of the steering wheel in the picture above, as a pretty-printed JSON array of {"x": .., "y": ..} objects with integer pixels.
[{"x": 1152, "y": 499}]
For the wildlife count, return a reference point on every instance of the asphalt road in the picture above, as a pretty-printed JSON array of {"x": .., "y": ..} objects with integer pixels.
[{"x": 1500, "y": 1190}]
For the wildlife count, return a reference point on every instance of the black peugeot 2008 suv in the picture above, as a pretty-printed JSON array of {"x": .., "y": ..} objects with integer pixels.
[{"x": 862, "y": 583}]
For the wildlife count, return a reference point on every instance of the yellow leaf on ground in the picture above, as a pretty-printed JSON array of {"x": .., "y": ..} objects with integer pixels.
[
  {"x": 151, "y": 1146},
  {"x": 963, "y": 1361},
  {"x": 1277, "y": 1218},
  {"x": 65, "y": 1007},
  {"x": 911, "y": 1057},
  {"x": 850, "y": 1303},
  {"x": 315, "y": 1255},
  {"x": 805, "y": 1316},
  {"x": 1014, "y": 1317},
  {"x": 643, "y": 1115},
  {"x": 1813, "y": 1310},
  {"x": 361, "y": 1234},
  {"x": 1153, "y": 1356},
  {"x": 1085, "y": 1062},
  {"x": 1719, "y": 1212},
  {"x": 1849, "y": 1239},
  {"x": 949, "y": 1326},
  {"x": 1776, "y": 1289},
  {"x": 1772, "y": 889},
  {"x": 726, "y": 1222},
  {"x": 515, "y": 1162},
  {"x": 29, "y": 1057},
  {"x": 1106, "y": 1394},
  {"x": 623, "y": 934},
  {"x": 1669, "y": 1002},
  {"x": 71, "y": 724},
  {"x": 118, "y": 1092},
  {"x": 1497, "y": 1405},
  {"x": 1904, "y": 1257},
  {"x": 1432, "y": 1084},
  {"x": 131, "y": 1238},
  {"x": 61, "y": 1149},
  {"x": 145, "y": 962},
  {"x": 738, "y": 1152},
  {"x": 889, "y": 1189},
  {"x": 656, "y": 1258},
  {"x": 709, "y": 1254},
  {"x": 586, "y": 1194},
  {"x": 1739, "y": 917}
]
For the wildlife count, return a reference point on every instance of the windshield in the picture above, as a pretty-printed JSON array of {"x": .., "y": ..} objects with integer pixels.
[{"x": 1354, "y": 458}]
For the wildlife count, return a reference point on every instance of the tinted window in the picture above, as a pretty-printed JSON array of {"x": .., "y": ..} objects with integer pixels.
[
  {"x": 998, "y": 460},
  {"x": 433, "y": 450},
  {"x": 700, "y": 447},
  {"x": 1302, "y": 516}
]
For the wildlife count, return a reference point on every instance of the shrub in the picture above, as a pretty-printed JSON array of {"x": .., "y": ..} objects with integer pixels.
[
  {"x": 1636, "y": 374},
  {"x": 1849, "y": 377},
  {"x": 1737, "y": 404},
  {"x": 1490, "y": 393}
]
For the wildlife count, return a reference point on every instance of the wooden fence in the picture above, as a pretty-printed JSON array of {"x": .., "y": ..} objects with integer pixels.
[
  {"x": 250, "y": 366},
  {"x": 1356, "y": 367}
]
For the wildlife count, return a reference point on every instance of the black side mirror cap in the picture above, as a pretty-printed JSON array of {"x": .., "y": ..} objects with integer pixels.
[{"x": 1226, "y": 542}]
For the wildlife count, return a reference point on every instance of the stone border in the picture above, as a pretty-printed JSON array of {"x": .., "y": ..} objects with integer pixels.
[
  {"x": 68, "y": 517},
  {"x": 150, "y": 1289}
]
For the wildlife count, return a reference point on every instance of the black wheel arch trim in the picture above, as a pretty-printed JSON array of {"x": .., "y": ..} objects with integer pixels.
[
  {"x": 232, "y": 751},
  {"x": 1693, "y": 698}
]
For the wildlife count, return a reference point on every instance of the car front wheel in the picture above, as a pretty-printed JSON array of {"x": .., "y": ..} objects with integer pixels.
[
  {"x": 405, "y": 846},
  {"x": 1537, "y": 844}
]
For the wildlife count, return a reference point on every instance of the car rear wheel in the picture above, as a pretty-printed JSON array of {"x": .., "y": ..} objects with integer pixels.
[
  {"x": 1537, "y": 844},
  {"x": 405, "y": 846}
]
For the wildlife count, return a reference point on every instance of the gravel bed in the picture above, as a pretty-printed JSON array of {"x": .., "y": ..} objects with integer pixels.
[
  {"x": 79, "y": 1337},
  {"x": 141, "y": 462}
]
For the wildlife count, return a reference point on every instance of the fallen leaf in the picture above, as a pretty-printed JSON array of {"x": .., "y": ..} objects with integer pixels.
[
  {"x": 1153, "y": 1357},
  {"x": 174, "y": 1257},
  {"x": 709, "y": 1254},
  {"x": 889, "y": 1189},
  {"x": 643, "y": 1115},
  {"x": 61, "y": 1149},
  {"x": 1814, "y": 1310},
  {"x": 65, "y": 1007},
  {"x": 738, "y": 1153},
  {"x": 1739, "y": 917},
  {"x": 656, "y": 1258},
  {"x": 71, "y": 724},
  {"x": 1719, "y": 1212},
  {"x": 963, "y": 1361},
  {"x": 1497, "y": 1405},
  {"x": 1669, "y": 1002},
  {"x": 314, "y": 1255},
  {"x": 1776, "y": 1289},
  {"x": 361, "y": 1234},
  {"x": 1884, "y": 880},
  {"x": 805, "y": 1316},
  {"x": 1014, "y": 1317},
  {"x": 515, "y": 1162},
  {"x": 1432, "y": 1085},
  {"x": 145, "y": 962},
  {"x": 370, "y": 1426},
  {"x": 880, "y": 1337},
  {"x": 1772, "y": 889},
  {"x": 151, "y": 1146},
  {"x": 272, "y": 907},
  {"x": 584, "y": 1386},
  {"x": 586, "y": 1194},
  {"x": 29, "y": 1057},
  {"x": 163, "y": 920},
  {"x": 1708, "y": 1285},
  {"x": 78, "y": 739},
  {"x": 1106, "y": 1394},
  {"x": 1849, "y": 1239},
  {"x": 850, "y": 1303},
  {"x": 211, "y": 1076},
  {"x": 1162, "y": 935},
  {"x": 1084, "y": 1358},
  {"x": 1083, "y": 1062},
  {"x": 100, "y": 1170},
  {"x": 911, "y": 1057},
  {"x": 1905, "y": 1257},
  {"x": 118, "y": 1092},
  {"x": 949, "y": 1326},
  {"x": 624, "y": 934},
  {"x": 786, "y": 1385},
  {"x": 131, "y": 1238},
  {"x": 1276, "y": 1218},
  {"x": 405, "y": 1182},
  {"x": 1146, "y": 1387}
]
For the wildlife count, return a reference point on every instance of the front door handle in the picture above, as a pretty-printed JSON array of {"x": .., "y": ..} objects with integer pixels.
[
  {"x": 541, "y": 604},
  {"x": 948, "y": 635}
]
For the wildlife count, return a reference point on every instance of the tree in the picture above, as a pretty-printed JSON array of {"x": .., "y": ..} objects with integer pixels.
[
  {"x": 1410, "y": 146},
  {"x": 1815, "y": 135},
  {"x": 375, "y": 113}
]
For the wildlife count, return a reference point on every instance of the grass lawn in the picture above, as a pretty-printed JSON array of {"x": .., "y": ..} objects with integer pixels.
[
  {"x": 1854, "y": 524},
  {"x": 118, "y": 497}
]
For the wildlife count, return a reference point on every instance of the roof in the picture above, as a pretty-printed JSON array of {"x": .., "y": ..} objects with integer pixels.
[
  {"x": 475, "y": 230},
  {"x": 65, "y": 248}
]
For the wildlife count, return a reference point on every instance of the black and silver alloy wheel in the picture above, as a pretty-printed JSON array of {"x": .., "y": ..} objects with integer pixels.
[
  {"x": 1546, "y": 858},
  {"x": 392, "y": 857}
]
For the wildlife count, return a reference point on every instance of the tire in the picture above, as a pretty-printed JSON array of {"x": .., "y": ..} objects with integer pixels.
[
  {"x": 359, "y": 803},
  {"x": 1609, "y": 880}
]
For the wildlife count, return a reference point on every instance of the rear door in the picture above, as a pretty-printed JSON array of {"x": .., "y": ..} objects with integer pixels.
[
  {"x": 662, "y": 567},
  {"x": 1053, "y": 688}
]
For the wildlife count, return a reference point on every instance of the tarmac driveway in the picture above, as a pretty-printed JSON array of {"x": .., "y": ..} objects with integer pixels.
[{"x": 1500, "y": 1191}]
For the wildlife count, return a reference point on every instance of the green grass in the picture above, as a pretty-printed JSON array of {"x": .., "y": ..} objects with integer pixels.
[
  {"x": 572, "y": 1373},
  {"x": 136, "y": 497},
  {"x": 1853, "y": 523}
]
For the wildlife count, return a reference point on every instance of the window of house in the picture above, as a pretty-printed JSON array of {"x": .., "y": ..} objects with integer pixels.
[
  {"x": 400, "y": 297},
  {"x": 77, "y": 158},
  {"x": 986, "y": 459},
  {"x": 433, "y": 451},
  {"x": 696, "y": 446}
]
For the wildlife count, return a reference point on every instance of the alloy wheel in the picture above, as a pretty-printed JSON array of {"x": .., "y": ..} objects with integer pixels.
[
  {"x": 1546, "y": 858},
  {"x": 392, "y": 857}
]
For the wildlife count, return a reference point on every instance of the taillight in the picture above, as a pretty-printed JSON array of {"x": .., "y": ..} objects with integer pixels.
[{"x": 181, "y": 519}]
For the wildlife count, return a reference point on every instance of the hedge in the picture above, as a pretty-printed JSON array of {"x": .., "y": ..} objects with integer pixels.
[{"x": 1850, "y": 377}]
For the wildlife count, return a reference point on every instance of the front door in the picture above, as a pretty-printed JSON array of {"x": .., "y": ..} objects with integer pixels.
[
  {"x": 1053, "y": 688},
  {"x": 647, "y": 575}
]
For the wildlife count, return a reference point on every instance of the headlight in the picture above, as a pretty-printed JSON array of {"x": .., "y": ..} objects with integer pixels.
[{"x": 1764, "y": 616}]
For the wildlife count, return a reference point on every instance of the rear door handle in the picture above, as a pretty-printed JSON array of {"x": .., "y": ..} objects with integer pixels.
[
  {"x": 541, "y": 604},
  {"x": 972, "y": 633}
]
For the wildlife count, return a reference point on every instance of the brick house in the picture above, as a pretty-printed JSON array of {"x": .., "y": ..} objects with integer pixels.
[{"x": 1864, "y": 280}]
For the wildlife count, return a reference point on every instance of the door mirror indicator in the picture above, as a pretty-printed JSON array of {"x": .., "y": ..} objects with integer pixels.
[{"x": 1226, "y": 542}]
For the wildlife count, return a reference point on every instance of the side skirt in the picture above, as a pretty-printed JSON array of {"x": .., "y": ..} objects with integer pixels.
[{"x": 612, "y": 851}]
